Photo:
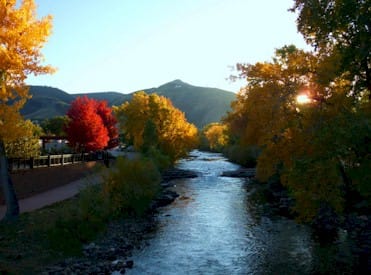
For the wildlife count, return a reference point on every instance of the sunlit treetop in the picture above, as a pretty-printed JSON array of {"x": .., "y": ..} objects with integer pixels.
[
  {"x": 340, "y": 27},
  {"x": 303, "y": 99},
  {"x": 22, "y": 36}
]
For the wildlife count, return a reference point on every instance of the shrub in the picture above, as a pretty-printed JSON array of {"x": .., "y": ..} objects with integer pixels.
[
  {"x": 79, "y": 222},
  {"x": 245, "y": 156},
  {"x": 161, "y": 161},
  {"x": 92, "y": 205},
  {"x": 131, "y": 186}
]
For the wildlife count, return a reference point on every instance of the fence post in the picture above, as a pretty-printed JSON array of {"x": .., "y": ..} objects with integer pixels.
[
  {"x": 49, "y": 160},
  {"x": 62, "y": 159}
]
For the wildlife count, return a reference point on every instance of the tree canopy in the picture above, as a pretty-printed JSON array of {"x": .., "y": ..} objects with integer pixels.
[
  {"x": 153, "y": 121},
  {"x": 91, "y": 125},
  {"x": 315, "y": 147},
  {"x": 55, "y": 126},
  {"x": 22, "y": 35},
  {"x": 309, "y": 113},
  {"x": 340, "y": 28},
  {"x": 27, "y": 145},
  {"x": 215, "y": 136}
]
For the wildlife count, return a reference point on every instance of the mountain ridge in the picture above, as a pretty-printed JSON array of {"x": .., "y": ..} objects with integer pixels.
[{"x": 194, "y": 101}]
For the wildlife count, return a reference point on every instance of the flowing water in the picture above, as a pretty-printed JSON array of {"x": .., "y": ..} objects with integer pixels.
[{"x": 213, "y": 228}]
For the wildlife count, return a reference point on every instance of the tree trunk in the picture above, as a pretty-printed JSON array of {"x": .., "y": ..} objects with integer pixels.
[{"x": 12, "y": 207}]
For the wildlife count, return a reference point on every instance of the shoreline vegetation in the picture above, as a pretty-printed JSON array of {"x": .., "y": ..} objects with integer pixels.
[
  {"x": 82, "y": 237},
  {"x": 79, "y": 231},
  {"x": 328, "y": 227}
]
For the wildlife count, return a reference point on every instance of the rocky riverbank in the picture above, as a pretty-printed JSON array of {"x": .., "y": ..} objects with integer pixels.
[
  {"x": 272, "y": 199},
  {"x": 111, "y": 252},
  {"x": 242, "y": 172}
]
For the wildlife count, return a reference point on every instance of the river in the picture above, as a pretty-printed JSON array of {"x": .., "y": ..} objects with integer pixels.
[{"x": 213, "y": 228}]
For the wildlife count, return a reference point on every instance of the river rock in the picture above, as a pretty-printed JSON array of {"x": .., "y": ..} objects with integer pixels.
[
  {"x": 110, "y": 252},
  {"x": 240, "y": 173},
  {"x": 166, "y": 197},
  {"x": 176, "y": 173}
]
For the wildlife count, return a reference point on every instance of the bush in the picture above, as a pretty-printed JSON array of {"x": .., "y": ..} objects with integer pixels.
[
  {"x": 131, "y": 186},
  {"x": 79, "y": 222},
  {"x": 161, "y": 161},
  {"x": 92, "y": 205},
  {"x": 127, "y": 190},
  {"x": 245, "y": 156}
]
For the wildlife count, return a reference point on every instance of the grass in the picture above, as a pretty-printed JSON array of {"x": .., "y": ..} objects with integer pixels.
[
  {"x": 25, "y": 245},
  {"x": 53, "y": 233}
]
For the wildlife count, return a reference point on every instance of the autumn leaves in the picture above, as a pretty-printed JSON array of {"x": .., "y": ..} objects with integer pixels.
[
  {"x": 309, "y": 113},
  {"x": 149, "y": 122},
  {"x": 91, "y": 125}
]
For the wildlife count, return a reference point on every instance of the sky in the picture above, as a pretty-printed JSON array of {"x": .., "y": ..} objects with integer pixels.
[{"x": 129, "y": 45}]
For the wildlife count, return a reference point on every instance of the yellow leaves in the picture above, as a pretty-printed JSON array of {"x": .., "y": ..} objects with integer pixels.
[
  {"x": 314, "y": 181},
  {"x": 22, "y": 36},
  {"x": 174, "y": 134},
  {"x": 25, "y": 145},
  {"x": 216, "y": 135},
  {"x": 10, "y": 122},
  {"x": 304, "y": 144}
]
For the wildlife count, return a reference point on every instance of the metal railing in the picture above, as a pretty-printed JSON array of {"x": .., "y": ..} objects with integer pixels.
[{"x": 48, "y": 161}]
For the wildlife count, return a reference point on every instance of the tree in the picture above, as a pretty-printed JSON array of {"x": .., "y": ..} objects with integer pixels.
[
  {"x": 148, "y": 116},
  {"x": 340, "y": 28},
  {"x": 315, "y": 147},
  {"x": 86, "y": 130},
  {"x": 27, "y": 145},
  {"x": 22, "y": 36},
  {"x": 55, "y": 126},
  {"x": 216, "y": 136},
  {"x": 109, "y": 121}
]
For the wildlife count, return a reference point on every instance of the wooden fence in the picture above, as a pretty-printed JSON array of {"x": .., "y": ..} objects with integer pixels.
[{"x": 49, "y": 160}]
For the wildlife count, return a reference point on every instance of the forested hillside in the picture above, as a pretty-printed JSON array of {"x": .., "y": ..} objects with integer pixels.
[{"x": 201, "y": 105}]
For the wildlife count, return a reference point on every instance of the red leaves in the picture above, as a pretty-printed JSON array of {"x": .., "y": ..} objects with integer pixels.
[
  {"x": 92, "y": 125},
  {"x": 109, "y": 122}
]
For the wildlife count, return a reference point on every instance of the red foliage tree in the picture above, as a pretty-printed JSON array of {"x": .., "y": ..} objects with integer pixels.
[
  {"x": 86, "y": 130},
  {"x": 109, "y": 121}
]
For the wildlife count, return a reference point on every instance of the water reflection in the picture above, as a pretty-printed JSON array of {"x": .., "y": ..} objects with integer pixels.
[{"x": 214, "y": 228}]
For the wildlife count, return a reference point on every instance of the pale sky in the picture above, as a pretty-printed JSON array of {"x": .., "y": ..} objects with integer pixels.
[{"x": 128, "y": 45}]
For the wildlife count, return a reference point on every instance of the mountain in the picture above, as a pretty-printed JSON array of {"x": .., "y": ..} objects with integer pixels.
[
  {"x": 201, "y": 105},
  {"x": 46, "y": 102},
  {"x": 112, "y": 98}
]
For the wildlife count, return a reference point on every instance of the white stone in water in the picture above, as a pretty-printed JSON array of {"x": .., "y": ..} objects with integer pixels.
[{"x": 115, "y": 262}]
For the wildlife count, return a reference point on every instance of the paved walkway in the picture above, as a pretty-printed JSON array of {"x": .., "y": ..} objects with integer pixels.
[
  {"x": 52, "y": 196},
  {"x": 63, "y": 192}
]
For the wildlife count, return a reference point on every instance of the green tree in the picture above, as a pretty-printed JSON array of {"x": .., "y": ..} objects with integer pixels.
[{"x": 55, "y": 126}]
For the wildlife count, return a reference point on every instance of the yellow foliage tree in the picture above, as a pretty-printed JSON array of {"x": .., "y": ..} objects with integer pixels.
[
  {"x": 27, "y": 145},
  {"x": 153, "y": 121},
  {"x": 315, "y": 147},
  {"x": 22, "y": 35},
  {"x": 216, "y": 136}
]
